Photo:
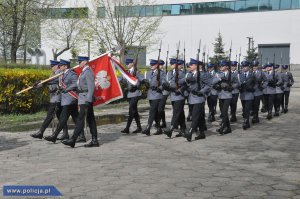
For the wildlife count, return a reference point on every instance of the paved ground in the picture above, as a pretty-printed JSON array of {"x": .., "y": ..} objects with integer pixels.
[{"x": 263, "y": 162}]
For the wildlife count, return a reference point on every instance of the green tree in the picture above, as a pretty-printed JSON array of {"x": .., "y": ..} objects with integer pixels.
[
  {"x": 252, "y": 53},
  {"x": 219, "y": 53}
]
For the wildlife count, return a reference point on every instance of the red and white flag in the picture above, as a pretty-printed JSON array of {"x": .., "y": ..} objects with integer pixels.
[
  {"x": 107, "y": 87},
  {"x": 124, "y": 72}
]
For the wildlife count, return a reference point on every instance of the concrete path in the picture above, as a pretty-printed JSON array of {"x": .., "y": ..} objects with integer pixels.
[{"x": 262, "y": 162}]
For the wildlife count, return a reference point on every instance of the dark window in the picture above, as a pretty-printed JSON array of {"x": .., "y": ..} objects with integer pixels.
[
  {"x": 186, "y": 9},
  {"x": 66, "y": 13},
  {"x": 166, "y": 10},
  {"x": 263, "y": 5},
  {"x": 149, "y": 10},
  {"x": 157, "y": 10},
  {"x": 101, "y": 12},
  {"x": 274, "y": 4}
]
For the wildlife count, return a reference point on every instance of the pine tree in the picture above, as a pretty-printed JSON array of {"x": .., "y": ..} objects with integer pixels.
[
  {"x": 219, "y": 53},
  {"x": 252, "y": 53}
]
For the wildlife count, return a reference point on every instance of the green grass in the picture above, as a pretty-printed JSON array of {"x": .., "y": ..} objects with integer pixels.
[{"x": 16, "y": 119}]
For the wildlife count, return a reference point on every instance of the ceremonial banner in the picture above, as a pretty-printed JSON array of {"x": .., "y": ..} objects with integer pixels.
[
  {"x": 124, "y": 72},
  {"x": 107, "y": 87}
]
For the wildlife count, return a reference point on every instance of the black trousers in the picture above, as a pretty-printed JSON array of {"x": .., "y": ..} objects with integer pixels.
[
  {"x": 233, "y": 104},
  {"x": 197, "y": 116},
  {"x": 161, "y": 107},
  {"x": 67, "y": 110},
  {"x": 54, "y": 108},
  {"x": 133, "y": 110},
  {"x": 256, "y": 104},
  {"x": 247, "y": 106},
  {"x": 224, "y": 106},
  {"x": 269, "y": 100},
  {"x": 278, "y": 101},
  {"x": 264, "y": 100},
  {"x": 88, "y": 111},
  {"x": 285, "y": 99},
  {"x": 178, "y": 117},
  {"x": 153, "y": 112},
  {"x": 212, "y": 102}
]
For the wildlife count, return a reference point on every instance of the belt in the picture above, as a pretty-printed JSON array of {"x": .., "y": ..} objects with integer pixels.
[{"x": 82, "y": 91}]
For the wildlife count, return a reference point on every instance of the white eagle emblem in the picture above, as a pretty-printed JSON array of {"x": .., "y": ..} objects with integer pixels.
[{"x": 102, "y": 80}]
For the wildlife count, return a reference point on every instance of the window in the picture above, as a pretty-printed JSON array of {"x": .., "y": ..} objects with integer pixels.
[
  {"x": 240, "y": 6},
  {"x": 295, "y": 4},
  {"x": 263, "y": 5},
  {"x": 275, "y": 4},
  {"x": 101, "y": 12},
  {"x": 166, "y": 10},
  {"x": 66, "y": 13},
  {"x": 175, "y": 10},
  {"x": 186, "y": 9},
  {"x": 157, "y": 10},
  {"x": 149, "y": 10}
]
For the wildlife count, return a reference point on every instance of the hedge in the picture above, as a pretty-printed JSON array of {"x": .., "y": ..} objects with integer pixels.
[{"x": 14, "y": 80}]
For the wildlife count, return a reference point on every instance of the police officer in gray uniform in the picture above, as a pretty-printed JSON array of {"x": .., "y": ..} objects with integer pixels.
[
  {"x": 258, "y": 90},
  {"x": 279, "y": 92},
  {"x": 264, "y": 97},
  {"x": 272, "y": 80},
  {"x": 68, "y": 87},
  {"x": 86, "y": 87},
  {"x": 287, "y": 77},
  {"x": 162, "y": 104},
  {"x": 155, "y": 80},
  {"x": 133, "y": 96},
  {"x": 247, "y": 81},
  {"x": 235, "y": 92},
  {"x": 175, "y": 84},
  {"x": 198, "y": 90},
  {"x": 226, "y": 85},
  {"x": 212, "y": 98},
  {"x": 55, "y": 107}
]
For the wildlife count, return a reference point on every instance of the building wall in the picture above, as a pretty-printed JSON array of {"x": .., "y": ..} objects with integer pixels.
[{"x": 269, "y": 27}]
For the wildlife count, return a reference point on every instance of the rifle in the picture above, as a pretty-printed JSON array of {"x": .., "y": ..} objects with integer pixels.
[
  {"x": 176, "y": 68},
  {"x": 158, "y": 69},
  {"x": 203, "y": 54},
  {"x": 184, "y": 65},
  {"x": 273, "y": 70},
  {"x": 167, "y": 60},
  {"x": 239, "y": 70},
  {"x": 229, "y": 76},
  {"x": 198, "y": 66}
]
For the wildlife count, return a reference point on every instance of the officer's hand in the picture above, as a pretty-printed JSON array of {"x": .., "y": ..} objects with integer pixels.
[
  {"x": 133, "y": 88},
  {"x": 289, "y": 85},
  {"x": 190, "y": 80},
  {"x": 158, "y": 90},
  {"x": 37, "y": 84}
]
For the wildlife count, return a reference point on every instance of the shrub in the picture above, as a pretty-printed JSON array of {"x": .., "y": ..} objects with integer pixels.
[{"x": 14, "y": 80}]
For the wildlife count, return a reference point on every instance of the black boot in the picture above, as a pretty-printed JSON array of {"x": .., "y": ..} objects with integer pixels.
[
  {"x": 93, "y": 143},
  {"x": 286, "y": 109},
  {"x": 209, "y": 119},
  {"x": 81, "y": 138},
  {"x": 189, "y": 117},
  {"x": 276, "y": 114},
  {"x": 65, "y": 134},
  {"x": 158, "y": 131},
  {"x": 183, "y": 133},
  {"x": 147, "y": 130},
  {"x": 38, "y": 135},
  {"x": 263, "y": 110},
  {"x": 269, "y": 116},
  {"x": 189, "y": 135},
  {"x": 233, "y": 118},
  {"x": 246, "y": 124},
  {"x": 200, "y": 136},
  {"x": 69, "y": 142},
  {"x": 52, "y": 138},
  {"x": 126, "y": 130},
  {"x": 220, "y": 129},
  {"x": 255, "y": 119},
  {"x": 138, "y": 124},
  {"x": 169, "y": 131}
]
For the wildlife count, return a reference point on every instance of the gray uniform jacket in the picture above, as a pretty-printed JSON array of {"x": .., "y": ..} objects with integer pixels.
[
  {"x": 205, "y": 85},
  {"x": 133, "y": 90},
  {"x": 234, "y": 74},
  {"x": 280, "y": 88},
  {"x": 166, "y": 92},
  {"x": 53, "y": 88},
  {"x": 247, "y": 86},
  {"x": 269, "y": 77},
  {"x": 155, "y": 92},
  {"x": 259, "y": 78},
  {"x": 287, "y": 77},
  {"x": 171, "y": 79},
  {"x": 213, "y": 76},
  {"x": 225, "y": 94},
  {"x": 69, "y": 79},
  {"x": 86, "y": 86}
]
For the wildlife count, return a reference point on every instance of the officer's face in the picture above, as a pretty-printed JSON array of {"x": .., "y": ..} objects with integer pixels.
[
  {"x": 223, "y": 68},
  {"x": 161, "y": 66},
  {"x": 245, "y": 69},
  {"x": 153, "y": 67},
  {"x": 233, "y": 68},
  {"x": 269, "y": 68},
  {"x": 130, "y": 65},
  {"x": 54, "y": 68},
  {"x": 255, "y": 68},
  {"x": 193, "y": 67},
  {"x": 173, "y": 66},
  {"x": 82, "y": 64},
  {"x": 63, "y": 67}
]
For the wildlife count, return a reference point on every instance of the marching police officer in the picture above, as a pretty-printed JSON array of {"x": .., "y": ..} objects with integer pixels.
[
  {"x": 271, "y": 81},
  {"x": 264, "y": 97},
  {"x": 287, "y": 77},
  {"x": 175, "y": 84},
  {"x": 258, "y": 90},
  {"x": 226, "y": 84},
  {"x": 235, "y": 92},
  {"x": 279, "y": 91},
  {"x": 68, "y": 87},
  {"x": 133, "y": 96},
  {"x": 212, "y": 99},
  {"x": 86, "y": 87},
  {"x": 155, "y": 78},
  {"x": 199, "y": 86},
  {"x": 246, "y": 79},
  {"x": 55, "y": 107}
]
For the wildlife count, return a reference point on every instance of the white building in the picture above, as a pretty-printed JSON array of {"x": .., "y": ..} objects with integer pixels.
[{"x": 274, "y": 25}]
